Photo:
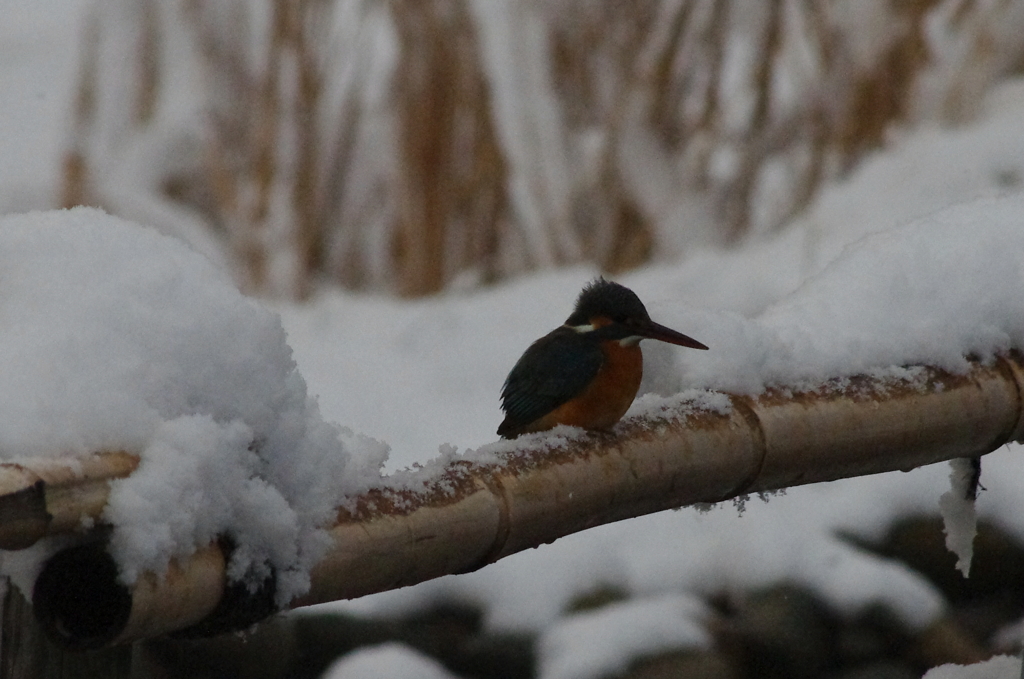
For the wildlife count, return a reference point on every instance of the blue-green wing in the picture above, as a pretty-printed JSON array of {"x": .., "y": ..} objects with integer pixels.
[{"x": 555, "y": 368}]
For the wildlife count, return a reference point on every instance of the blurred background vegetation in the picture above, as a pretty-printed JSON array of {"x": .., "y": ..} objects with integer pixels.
[{"x": 409, "y": 146}]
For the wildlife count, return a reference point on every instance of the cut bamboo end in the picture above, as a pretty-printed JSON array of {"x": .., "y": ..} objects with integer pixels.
[
  {"x": 81, "y": 603},
  {"x": 78, "y": 599},
  {"x": 474, "y": 513}
]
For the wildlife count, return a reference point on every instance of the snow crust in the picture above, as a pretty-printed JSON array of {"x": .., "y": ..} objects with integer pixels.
[{"x": 118, "y": 338}]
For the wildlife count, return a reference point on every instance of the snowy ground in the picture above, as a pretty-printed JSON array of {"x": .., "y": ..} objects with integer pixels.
[{"x": 421, "y": 374}]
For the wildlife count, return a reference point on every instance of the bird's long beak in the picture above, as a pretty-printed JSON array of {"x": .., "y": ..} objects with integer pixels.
[{"x": 653, "y": 330}]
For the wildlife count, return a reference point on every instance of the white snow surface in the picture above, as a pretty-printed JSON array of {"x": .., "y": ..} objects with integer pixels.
[
  {"x": 999, "y": 667},
  {"x": 392, "y": 660},
  {"x": 603, "y": 642},
  {"x": 118, "y": 338},
  {"x": 931, "y": 292}
]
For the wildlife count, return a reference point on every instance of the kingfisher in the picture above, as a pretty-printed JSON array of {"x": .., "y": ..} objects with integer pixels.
[{"x": 585, "y": 373}]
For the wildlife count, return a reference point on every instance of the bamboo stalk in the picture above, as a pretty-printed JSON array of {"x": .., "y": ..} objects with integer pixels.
[
  {"x": 476, "y": 513},
  {"x": 80, "y": 602},
  {"x": 44, "y": 496}
]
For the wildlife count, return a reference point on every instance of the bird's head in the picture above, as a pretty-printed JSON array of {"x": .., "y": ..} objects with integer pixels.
[{"x": 614, "y": 312}]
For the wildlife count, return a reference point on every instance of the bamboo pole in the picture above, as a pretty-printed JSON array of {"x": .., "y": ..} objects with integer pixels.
[
  {"x": 44, "y": 496},
  {"x": 476, "y": 513}
]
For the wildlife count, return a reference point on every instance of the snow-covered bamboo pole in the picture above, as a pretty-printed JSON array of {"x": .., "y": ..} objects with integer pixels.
[{"x": 472, "y": 514}]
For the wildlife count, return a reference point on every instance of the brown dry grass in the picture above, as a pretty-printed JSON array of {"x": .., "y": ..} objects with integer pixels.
[
  {"x": 285, "y": 167},
  {"x": 452, "y": 179}
]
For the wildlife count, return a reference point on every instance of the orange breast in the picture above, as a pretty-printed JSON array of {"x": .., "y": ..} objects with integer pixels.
[{"x": 607, "y": 398}]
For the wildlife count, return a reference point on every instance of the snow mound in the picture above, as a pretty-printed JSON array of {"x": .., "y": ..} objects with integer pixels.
[
  {"x": 887, "y": 300},
  {"x": 118, "y": 338},
  {"x": 393, "y": 660}
]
